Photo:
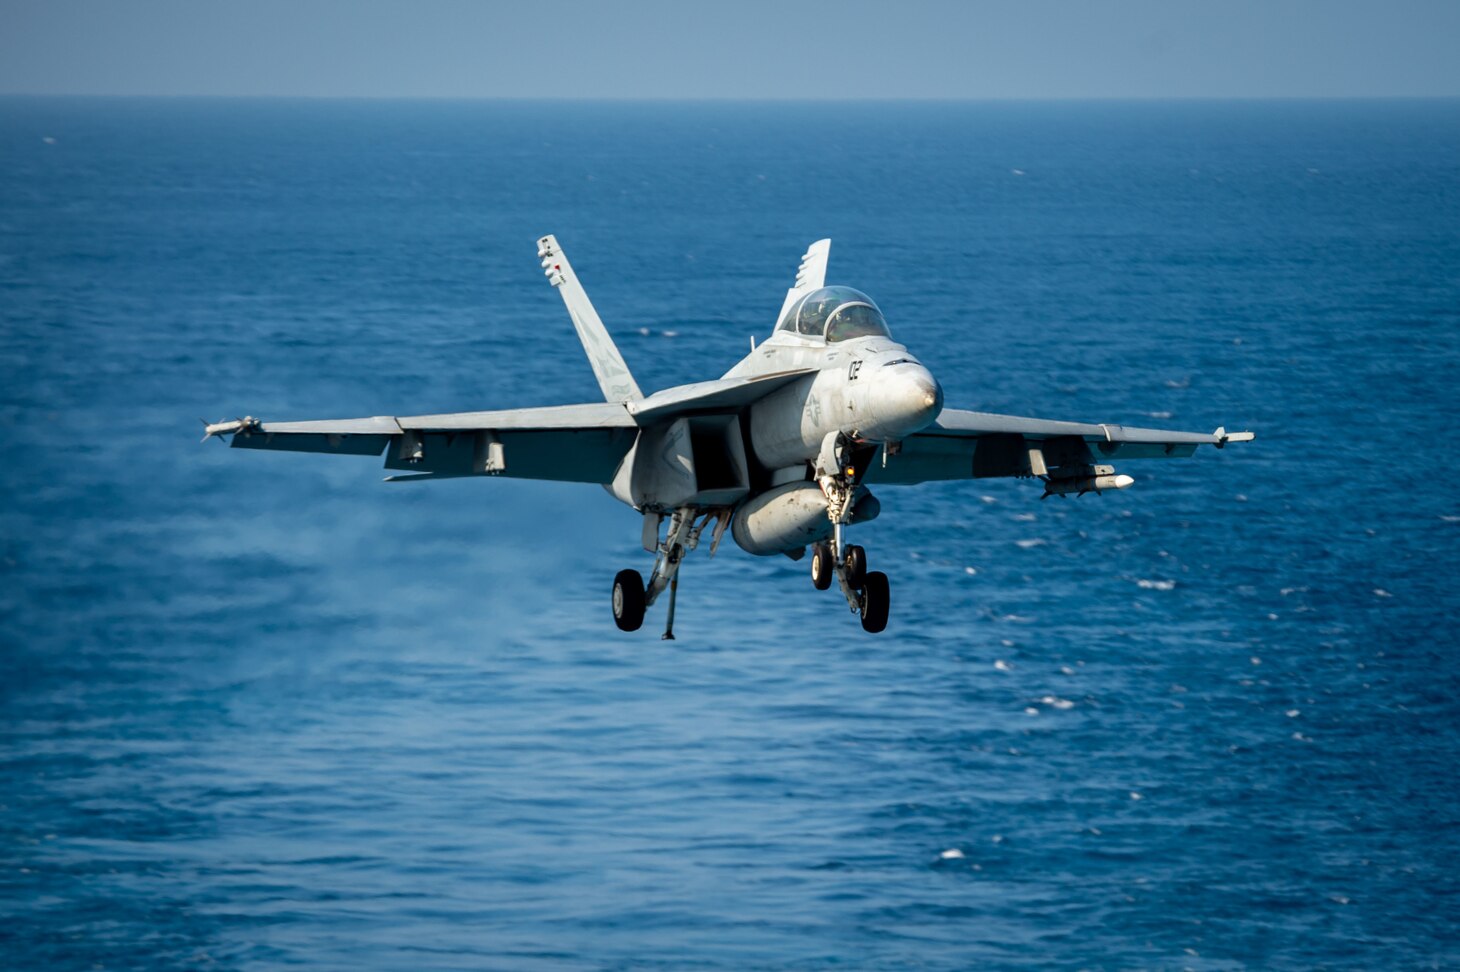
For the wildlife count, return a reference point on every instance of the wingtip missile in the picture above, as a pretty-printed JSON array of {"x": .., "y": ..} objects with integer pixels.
[
  {"x": 246, "y": 424},
  {"x": 1223, "y": 436}
]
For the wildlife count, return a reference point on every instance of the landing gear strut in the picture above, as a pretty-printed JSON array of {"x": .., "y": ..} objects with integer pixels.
[
  {"x": 867, "y": 593},
  {"x": 632, "y": 597}
]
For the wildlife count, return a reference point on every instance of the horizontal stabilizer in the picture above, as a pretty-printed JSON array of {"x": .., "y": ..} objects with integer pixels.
[{"x": 422, "y": 477}]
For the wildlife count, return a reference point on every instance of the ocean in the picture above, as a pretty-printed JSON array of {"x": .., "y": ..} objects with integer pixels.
[{"x": 263, "y": 710}]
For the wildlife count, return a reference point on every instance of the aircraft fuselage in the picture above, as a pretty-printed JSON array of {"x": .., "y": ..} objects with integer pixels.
[{"x": 869, "y": 389}]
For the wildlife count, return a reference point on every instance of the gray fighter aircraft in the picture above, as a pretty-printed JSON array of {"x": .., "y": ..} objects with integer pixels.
[{"x": 780, "y": 450}]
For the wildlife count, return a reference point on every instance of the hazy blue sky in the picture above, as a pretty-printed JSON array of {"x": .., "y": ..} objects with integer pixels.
[{"x": 755, "y": 49}]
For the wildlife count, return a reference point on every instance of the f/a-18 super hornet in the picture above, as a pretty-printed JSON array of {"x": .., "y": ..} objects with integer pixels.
[{"x": 780, "y": 451}]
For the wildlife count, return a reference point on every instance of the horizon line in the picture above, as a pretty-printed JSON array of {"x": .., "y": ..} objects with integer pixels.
[{"x": 732, "y": 99}]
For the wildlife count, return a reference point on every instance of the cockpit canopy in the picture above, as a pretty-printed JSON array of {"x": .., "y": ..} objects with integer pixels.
[{"x": 839, "y": 313}]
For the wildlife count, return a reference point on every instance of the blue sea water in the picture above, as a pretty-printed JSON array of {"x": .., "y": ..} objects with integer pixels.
[{"x": 263, "y": 710}]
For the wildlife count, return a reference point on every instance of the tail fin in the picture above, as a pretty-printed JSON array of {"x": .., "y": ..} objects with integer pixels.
[
  {"x": 608, "y": 365},
  {"x": 811, "y": 275}
]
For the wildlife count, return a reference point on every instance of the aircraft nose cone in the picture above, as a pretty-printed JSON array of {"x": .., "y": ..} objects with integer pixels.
[
  {"x": 931, "y": 391},
  {"x": 911, "y": 399}
]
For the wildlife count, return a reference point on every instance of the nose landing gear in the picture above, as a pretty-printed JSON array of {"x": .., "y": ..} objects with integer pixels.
[
  {"x": 823, "y": 567},
  {"x": 867, "y": 593},
  {"x": 856, "y": 565},
  {"x": 875, "y": 602}
]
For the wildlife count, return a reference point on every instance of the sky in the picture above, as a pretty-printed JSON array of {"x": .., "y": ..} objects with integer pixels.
[{"x": 751, "y": 49}]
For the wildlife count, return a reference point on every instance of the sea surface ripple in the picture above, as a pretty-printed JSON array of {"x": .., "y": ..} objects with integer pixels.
[{"x": 261, "y": 710}]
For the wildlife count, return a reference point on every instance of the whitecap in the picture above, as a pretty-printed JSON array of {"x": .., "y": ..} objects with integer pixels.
[
  {"x": 1026, "y": 517},
  {"x": 1054, "y": 701},
  {"x": 1156, "y": 585},
  {"x": 1135, "y": 795},
  {"x": 952, "y": 854},
  {"x": 1292, "y": 713},
  {"x": 970, "y": 571},
  {"x": 1028, "y": 544},
  {"x": 987, "y": 499},
  {"x": 1003, "y": 666},
  {"x": 1380, "y": 592},
  {"x": 1030, "y": 710}
]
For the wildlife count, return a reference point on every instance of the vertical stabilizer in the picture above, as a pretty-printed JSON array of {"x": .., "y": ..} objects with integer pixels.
[
  {"x": 608, "y": 365},
  {"x": 811, "y": 275}
]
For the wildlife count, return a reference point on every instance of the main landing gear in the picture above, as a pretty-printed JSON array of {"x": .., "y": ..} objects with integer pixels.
[
  {"x": 628, "y": 600},
  {"x": 867, "y": 592},
  {"x": 632, "y": 597}
]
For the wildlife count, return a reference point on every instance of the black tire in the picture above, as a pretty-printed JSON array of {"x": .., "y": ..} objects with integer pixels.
[
  {"x": 822, "y": 568},
  {"x": 876, "y": 599},
  {"x": 856, "y": 567},
  {"x": 628, "y": 600}
]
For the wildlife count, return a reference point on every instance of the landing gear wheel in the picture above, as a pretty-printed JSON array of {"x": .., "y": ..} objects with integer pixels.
[
  {"x": 857, "y": 567},
  {"x": 628, "y": 600},
  {"x": 822, "y": 568},
  {"x": 876, "y": 596}
]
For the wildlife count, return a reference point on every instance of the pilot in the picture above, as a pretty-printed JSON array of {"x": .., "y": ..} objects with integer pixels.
[{"x": 813, "y": 312}]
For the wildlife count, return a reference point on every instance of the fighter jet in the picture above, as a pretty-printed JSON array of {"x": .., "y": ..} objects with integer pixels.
[{"x": 780, "y": 451}]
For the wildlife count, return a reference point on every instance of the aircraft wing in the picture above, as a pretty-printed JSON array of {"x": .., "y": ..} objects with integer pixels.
[
  {"x": 975, "y": 445},
  {"x": 567, "y": 443}
]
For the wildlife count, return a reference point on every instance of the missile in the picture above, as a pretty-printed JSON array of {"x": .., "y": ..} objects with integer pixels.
[
  {"x": 245, "y": 424},
  {"x": 1081, "y": 485}
]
